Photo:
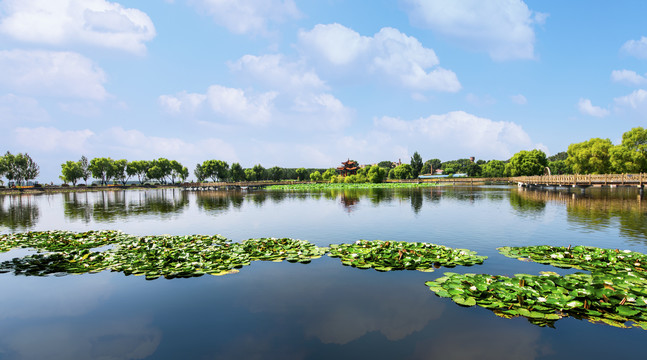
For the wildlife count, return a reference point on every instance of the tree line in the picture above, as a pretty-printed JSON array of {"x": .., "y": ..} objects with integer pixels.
[
  {"x": 219, "y": 170},
  {"x": 106, "y": 170},
  {"x": 18, "y": 168}
]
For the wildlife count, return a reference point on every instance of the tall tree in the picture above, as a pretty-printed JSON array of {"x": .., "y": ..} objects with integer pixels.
[
  {"x": 119, "y": 171},
  {"x": 416, "y": 164},
  {"x": 259, "y": 172},
  {"x": 199, "y": 173},
  {"x": 525, "y": 163},
  {"x": 590, "y": 157},
  {"x": 236, "y": 172},
  {"x": 139, "y": 168},
  {"x": 302, "y": 174},
  {"x": 493, "y": 169},
  {"x": 71, "y": 171},
  {"x": 276, "y": 173},
  {"x": 85, "y": 171},
  {"x": 102, "y": 169}
]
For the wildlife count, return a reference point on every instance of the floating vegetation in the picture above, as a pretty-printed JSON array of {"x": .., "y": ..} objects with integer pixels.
[
  {"x": 580, "y": 257},
  {"x": 328, "y": 186},
  {"x": 606, "y": 298},
  {"x": 272, "y": 249},
  {"x": 58, "y": 240},
  {"x": 401, "y": 255}
]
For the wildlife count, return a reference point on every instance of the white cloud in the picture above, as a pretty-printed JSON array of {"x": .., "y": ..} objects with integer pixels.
[
  {"x": 502, "y": 28},
  {"x": 519, "y": 99},
  {"x": 321, "y": 111},
  {"x": 182, "y": 103},
  {"x": 248, "y": 16},
  {"x": 635, "y": 100},
  {"x": 19, "y": 110},
  {"x": 236, "y": 105},
  {"x": 637, "y": 48},
  {"x": 628, "y": 76},
  {"x": 403, "y": 59},
  {"x": 63, "y": 22},
  {"x": 586, "y": 107},
  {"x": 52, "y": 139},
  {"x": 60, "y": 74},
  {"x": 278, "y": 73},
  {"x": 458, "y": 134}
]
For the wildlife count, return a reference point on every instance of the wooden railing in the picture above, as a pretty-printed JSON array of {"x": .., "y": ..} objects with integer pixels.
[{"x": 583, "y": 180}]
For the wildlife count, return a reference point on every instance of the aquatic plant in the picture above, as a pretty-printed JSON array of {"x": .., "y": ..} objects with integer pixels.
[{"x": 401, "y": 255}]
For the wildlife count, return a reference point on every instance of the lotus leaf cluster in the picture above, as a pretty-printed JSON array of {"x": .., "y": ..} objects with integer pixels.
[
  {"x": 608, "y": 298},
  {"x": 58, "y": 240},
  {"x": 580, "y": 257},
  {"x": 401, "y": 255},
  {"x": 273, "y": 249}
]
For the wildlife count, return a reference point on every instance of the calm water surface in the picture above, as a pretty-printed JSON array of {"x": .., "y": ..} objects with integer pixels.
[{"x": 321, "y": 310}]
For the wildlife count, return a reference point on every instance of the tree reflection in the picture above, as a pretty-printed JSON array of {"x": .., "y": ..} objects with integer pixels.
[
  {"x": 599, "y": 209},
  {"x": 18, "y": 212},
  {"x": 111, "y": 205},
  {"x": 221, "y": 201},
  {"x": 527, "y": 202}
]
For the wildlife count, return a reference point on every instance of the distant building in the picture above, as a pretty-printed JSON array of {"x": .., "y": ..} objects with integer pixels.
[
  {"x": 349, "y": 167},
  {"x": 438, "y": 172}
]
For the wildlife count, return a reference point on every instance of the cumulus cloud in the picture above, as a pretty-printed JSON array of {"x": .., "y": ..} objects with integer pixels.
[
  {"x": 502, "y": 28},
  {"x": 637, "y": 48},
  {"x": 401, "y": 58},
  {"x": 586, "y": 107},
  {"x": 461, "y": 132},
  {"x": 63, "y": 22},
  {"x": 628, "y": 77},
  {"x": 248, "y": 16},
  {"x": 321, "y": 111},
  {"x": 519, "y": 99},
  {"x": 637, "y": 100},
  {"x": 60, "y": 74},
  {"x": 53, "y": 139},
  {"x": 231, "y": 103},
  {"x": 277, "y": 72}
]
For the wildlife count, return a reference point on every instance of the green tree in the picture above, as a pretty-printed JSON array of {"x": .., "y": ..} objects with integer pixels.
[
  {"x": 329, "y": 174},
  {"x": 559, "y": 167},
  {"x": 590, "y": 157},
  {"x": 526, "y": 163},
  {"x": 562, "y": 155},
  {"x": 102, "y": 169},
  {"x": 85, "y": 171},
  {"x": 236, "y": 172},
  {"x": 259, "y": 172},
  {"x": 217, "y": 170},
  {"x": 404, "y": 171},
  {"x": 119, "y": 171},
  {"x": 302, "y": 174},
  {"x": 316, "y": 176},
  {"x": 139, "y": 168},
  {"x": 9, "y": 165},
  {"x": 71, "y": 171},
  {"x": 431, "y": 165},
  {"x": 199, "y": 173},
  {"x": 631, "y": 155},
  {"x": 29, "y": 170},
  {"x": 386, "y": 164},
  {"x": 178, "y": 171},
  {"x": 376, "y": 174},
  {"x": 416, "y": 164},
  {"x": 493, "y": 169},
  {"x": 276, "y": 173},
  {"x": 250, "y": 175}
]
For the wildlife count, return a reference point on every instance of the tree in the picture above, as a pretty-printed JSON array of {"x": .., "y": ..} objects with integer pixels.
[
  {"x": 559, "y": 167},
  {"x": 250, "y": 175},
  {"x": 276, "y": 173},
  {"x": 102, "y": 169},
  {"x": 71, "y": 171},
  {"x": 316, "y": 176},
  {"x": 386, "y": 164},
  {"x": 178, "y": 171},
  {"x": 430, "y": 165},
  {"x": 236, "y": 172},
  {"x": 404, "y": 171},
  {"x": 590, "y": 157},
  {"x": 139, "y": 168},
  {"x": 199, "y": 173},
  {"x": 119, "y": 171},
  {"x": 562, "y": 155},
  {"x": 259, "y": 172},
  {"x": 217, "y": 170},
  {"x": 302, "y": 174},
  {"x": 376, "y": 174},
  {"x": 493, "y": 169},
  {"x": 328, "y": 174},
  {"x": 416, "y": 164},
  {"x": 10, "y": 170},
  {"x": 29, "y": 169},
  {"x": 631, "y": 154},
  {"x": 85, "y": 171},
  {"x": 526, "y": 163}
]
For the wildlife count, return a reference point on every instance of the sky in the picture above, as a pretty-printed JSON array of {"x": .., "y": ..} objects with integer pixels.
[{"x": 313, "y": 83}]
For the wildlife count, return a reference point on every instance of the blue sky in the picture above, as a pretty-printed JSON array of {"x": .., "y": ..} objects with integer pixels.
[{"x": 311, "y": 83}]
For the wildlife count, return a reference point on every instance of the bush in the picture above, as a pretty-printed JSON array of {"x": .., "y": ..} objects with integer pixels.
[{"x": 65, "y": 185}]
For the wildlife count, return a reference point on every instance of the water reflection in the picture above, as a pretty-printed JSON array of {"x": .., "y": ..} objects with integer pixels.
[
  {"x": 595, "y": 209},
  {"x": 111, "y": 205},
  {"x": 18, "y": 212},
  {"x": 215, "y": 202}
]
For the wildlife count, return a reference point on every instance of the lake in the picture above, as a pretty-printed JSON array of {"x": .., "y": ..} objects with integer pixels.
[{"x": 320, "y": 310}]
